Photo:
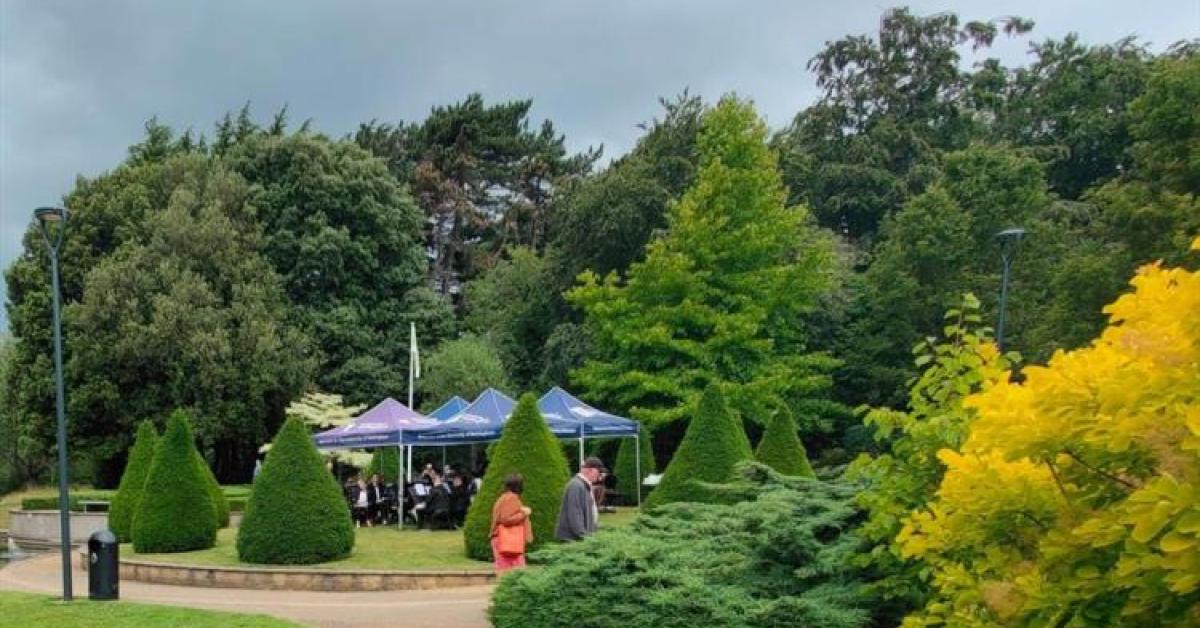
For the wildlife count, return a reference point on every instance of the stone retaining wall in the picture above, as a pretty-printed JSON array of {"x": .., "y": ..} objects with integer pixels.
[
  {"x": 296, "y": 579},
  {"x": 38, "y": 530}
]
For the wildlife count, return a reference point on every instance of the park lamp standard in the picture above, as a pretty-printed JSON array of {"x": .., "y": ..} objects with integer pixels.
[
  {"x": 46, "y": 218},
  {"x": 1010, "y": 243}
]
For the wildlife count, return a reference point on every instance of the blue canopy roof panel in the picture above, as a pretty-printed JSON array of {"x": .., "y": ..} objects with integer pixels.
[
  {"x": 558, "y": 404},
  {"x": 447, "y": 410}
]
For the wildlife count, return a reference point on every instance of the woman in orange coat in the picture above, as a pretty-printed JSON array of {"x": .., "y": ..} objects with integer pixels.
[{"x": 511, "y": 518}]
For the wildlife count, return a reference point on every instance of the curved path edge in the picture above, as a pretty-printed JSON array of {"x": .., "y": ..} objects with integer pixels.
[{"x": 463, "y": 607}]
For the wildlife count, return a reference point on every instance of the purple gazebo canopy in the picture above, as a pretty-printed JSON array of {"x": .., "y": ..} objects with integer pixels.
[{"x": 382, "y": 426}]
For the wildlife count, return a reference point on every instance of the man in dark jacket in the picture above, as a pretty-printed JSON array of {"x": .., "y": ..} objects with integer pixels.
[{"x": 577, "y": 518}]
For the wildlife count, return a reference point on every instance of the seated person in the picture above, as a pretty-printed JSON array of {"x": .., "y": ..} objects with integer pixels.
[
  {"x": 437, "y": 509},
  {"x": 377, "y": 500},
  {"x": 460, "y": 500}
]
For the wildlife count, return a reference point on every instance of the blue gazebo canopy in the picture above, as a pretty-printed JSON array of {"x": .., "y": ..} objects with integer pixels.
[
  {"x": 558, "y": 404},
  {"x": 447, "y": 410},
  {"x": 482, "y": 421}
]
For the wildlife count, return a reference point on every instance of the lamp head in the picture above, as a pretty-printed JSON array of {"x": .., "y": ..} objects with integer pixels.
[
  {"x": 1012, "y": 232},
  {"x": 47, "y": 215}
]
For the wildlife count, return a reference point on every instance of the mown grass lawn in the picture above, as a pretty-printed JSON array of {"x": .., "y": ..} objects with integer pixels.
[
  {"x": 27, "y": 610},
  {"x": 374, "y": 548}
]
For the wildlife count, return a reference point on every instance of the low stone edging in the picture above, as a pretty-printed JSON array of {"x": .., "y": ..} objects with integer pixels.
[{"x": 296, "y": 579}]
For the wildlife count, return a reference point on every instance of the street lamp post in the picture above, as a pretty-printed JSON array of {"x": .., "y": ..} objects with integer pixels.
[
  {"x": 47, "y": 216},
  {"x": 1010, "y": 243}
]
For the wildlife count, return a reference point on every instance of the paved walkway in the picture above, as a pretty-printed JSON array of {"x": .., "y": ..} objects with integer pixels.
[{"x": 442, "y": 608}]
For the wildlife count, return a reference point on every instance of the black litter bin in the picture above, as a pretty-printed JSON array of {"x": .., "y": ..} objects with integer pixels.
[{"x": 103, "y": 574}]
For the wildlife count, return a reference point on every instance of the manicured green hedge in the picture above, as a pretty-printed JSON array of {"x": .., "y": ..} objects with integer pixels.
[
  {"x": 51, "y": 502},
  {"x": 526, "y": 446},
  {"x": 713, "y": 444},
  {"x": 783, "y": 555},
  {"x": 296, "y": 514},
  {"x": 626, "y": 469},
  {"x": 176, "y": 513},
  {"x": 220, "y": 503},
  {"x": 780, "y": 447},
  {"x": 133, "y": 482},
  {"x": 237, "y": 504}
]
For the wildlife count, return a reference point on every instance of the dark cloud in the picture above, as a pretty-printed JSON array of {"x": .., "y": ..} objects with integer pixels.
[{"x": 78, "y": 79}]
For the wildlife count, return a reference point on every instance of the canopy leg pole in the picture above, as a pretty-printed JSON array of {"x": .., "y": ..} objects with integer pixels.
[
  {"x": 410, "y": 454},
  {"x": 637, "y": 464},
  {"x": 400, "y": 486},
  {"x": 443, "y": 457},
  {"x": 581, "y": 445}
]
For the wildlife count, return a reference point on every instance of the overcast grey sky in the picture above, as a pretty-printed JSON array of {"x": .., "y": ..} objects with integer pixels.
[{"x": 78, "y": 79}]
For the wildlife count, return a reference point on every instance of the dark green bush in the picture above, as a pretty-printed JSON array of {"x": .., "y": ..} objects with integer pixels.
[
  {"x": 713, "y": 444},
  {"x": 176, "y": 512},
  {"x": 526, "y": 446},
  {"x": 625, "y": 468},
  {"x": 133, "y": 481},
  {"x": 237, "y": 504},
  {"x": 296, "y": 514},
  {"x": 780, "y": 447},
  {"x": 778, "y": 560},
  {"x": 51, "y": 502},
  {"x": 220, "y": 504}
]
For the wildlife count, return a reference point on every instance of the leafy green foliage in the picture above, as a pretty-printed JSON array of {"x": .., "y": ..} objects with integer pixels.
[
  {"x": 719, "y": 298},
  {"x": 296, "y": 514},
  {"x": 323, "y": 411},
  {"x": 176, "y": 512},
  {"x": 526, "y": 446},
  {"x": 714, "y": 444},
  {"x": 626, "y": 467},
  {"x": 779, "y": 557},
  {"x": 510, "y": 306},
  {"x": 345, "y": 238},
  {"x": 904, "y": 477},
  {"x": 780, "y": 447},
  {"x": 463, "y": 367},
  {"x": 886, "y": 113},
  {"x": 385, "y": 461},
  {"x": 191, "y": 300},
  {"x": 483, "y": 177},
  {"x": 133, "y": 482}
]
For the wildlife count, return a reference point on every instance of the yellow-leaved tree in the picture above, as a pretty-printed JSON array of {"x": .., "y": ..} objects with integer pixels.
[{"x": 1076, "y": 498}]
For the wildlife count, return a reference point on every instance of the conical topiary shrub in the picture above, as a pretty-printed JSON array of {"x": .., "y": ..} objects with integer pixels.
[
  {"x": 526, "y": 446},
  {"x": 626, "y": 467},
  {"x": 220, "y": 504},
  {"x": 713, "y": 444},
  {"x": 386, "y": 462},
  {"x": 780, "y": 447},
  {"x": 296, "y": 514},
  {"x": 133, "y": 481},
  {"x": 176, "y": 511}
]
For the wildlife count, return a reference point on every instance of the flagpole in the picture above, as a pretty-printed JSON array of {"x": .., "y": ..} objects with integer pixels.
[{"x": 412, "y": 361}]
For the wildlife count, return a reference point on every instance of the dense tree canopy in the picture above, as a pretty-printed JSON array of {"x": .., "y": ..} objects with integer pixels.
[{"x": 720, "y": 297}]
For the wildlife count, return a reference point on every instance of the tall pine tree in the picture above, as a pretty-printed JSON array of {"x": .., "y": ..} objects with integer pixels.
[{"x": 720, "y": 297}]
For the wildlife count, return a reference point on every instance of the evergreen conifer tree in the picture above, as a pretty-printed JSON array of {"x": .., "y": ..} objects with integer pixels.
[
  {"x": 780, "y": 447},
  {"x": 220, "y": 504},
  {"x": 526, "y": 446},
  {"x": 714, "y": 443},
  {"x": 386, "y": 462},
  {"x": 133, "y": 482},
  {"x": 626, "y": 466},
  {"x": 176, "y": 513},
  {"x": 296, "y": 514}
]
